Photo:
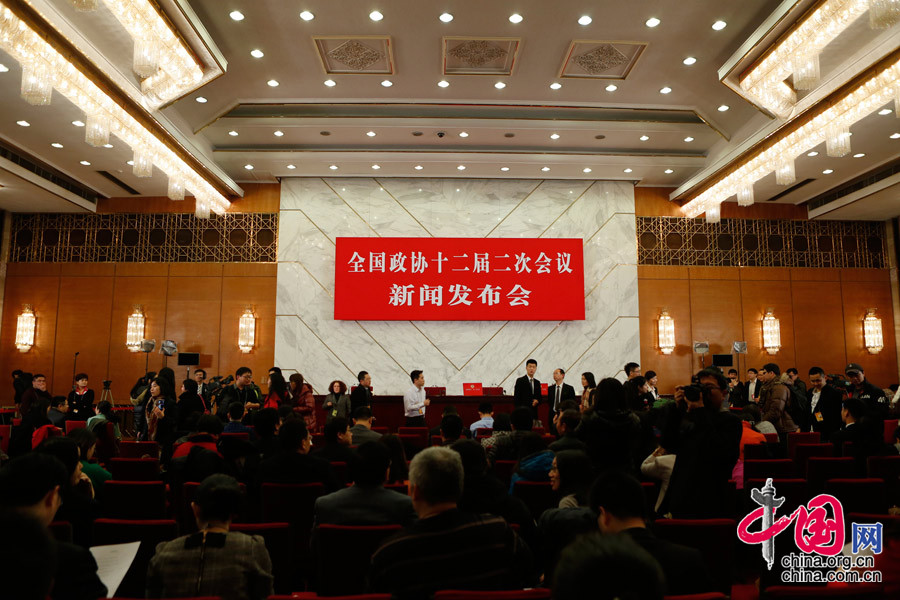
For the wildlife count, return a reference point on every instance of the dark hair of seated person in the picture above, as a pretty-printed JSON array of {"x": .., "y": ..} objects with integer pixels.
[
  {"x": 473, "y": 456},
  {"x": 363, "y": 413},
  {"x": 451, "y": 426},
  {"x": 531, "y": 443},
  {"x": 372, "y": 463},
  {"x": 570, "y": 418},
  {"x": 333, "y": 428},
  {"x": 28, "y": 566},
  {"x": 58, "y": 401},
  {"x": 190, "y": 386},
  {"x": 265, "y": 421},
  {"x": 576, "y": 473},
  {"x": 609, "y": 396},
  {"x": 218, "y": 497},
  {"x": 65, "y": 449},
  {"x": 235, "y": 411},
  {"x": 26, "y": 480},
  {"x": 521, "y": 418},
  {"x": 502, "y": 422},
  {"x": 291, "y": 435},
  {"x": 399, "y": 469},
  {"x": 285, "y": 411},
  {"x": 603, "y": 567},
  {"x": 85, "y": 439},
  {"x": 620, "y": 494},
  {"x": 210, "y": 424}
]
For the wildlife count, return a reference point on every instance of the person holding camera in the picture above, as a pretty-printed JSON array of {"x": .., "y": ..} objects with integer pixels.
[
  {"x": 775, "y": 400},
  {"x": 707, "y": 442}
]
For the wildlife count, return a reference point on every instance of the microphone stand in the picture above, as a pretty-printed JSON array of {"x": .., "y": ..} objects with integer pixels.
[{"x": 74, "y": 364}]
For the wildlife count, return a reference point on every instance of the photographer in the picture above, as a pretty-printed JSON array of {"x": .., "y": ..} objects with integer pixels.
[
  {"x": 706, "y": 441},
  {"x": 138, "y": 395}
]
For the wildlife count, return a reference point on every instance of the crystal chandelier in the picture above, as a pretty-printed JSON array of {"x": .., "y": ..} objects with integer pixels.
[
  {"x": 785, "y": 174},
  {"x": 175, "y": 189},
  {"x": 714, "y": 213},
  {"x": 883, "y": 13},
  {"x": 872, "y": 332},
  {"x": 806, "y": 71},
  {"x": 201, "y": 211},
  {"x": 25, "y": 326},
  {"x": 246, "y": 331},
  {"x": 771, "y": 332},
  {"x": 96, "y": 130},
  {"x": 143, "y": 164},
  {"x": 146, "y": 57},
  {"x": 41, "y": 62},
  {"x": 745, "y": 195},
  {"x": 837, "y": 140},
  {"x": 135, "y": 332},
  {"x": 666, "y": 333}
]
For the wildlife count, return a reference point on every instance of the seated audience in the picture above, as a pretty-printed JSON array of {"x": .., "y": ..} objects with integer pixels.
[
  {"x": 659, "y": 466},
  {"x": 214, "y": 561},
  {"x": 209, "y": 427},
  {"x": 566, "y": 424},
  {"x": 618, "y": 500},
  {"x": 362, "y": 426},
  {"x": 508, "y": 447},
  {"x": 292, "y": 462},
  {"x": 485, "y": 418},
  {"x": 607, "y": 568},
  {"x": 235, "y": 422},
  {"x": 501, "y": 428},
  {"x": 32, "y": 486},
  {"x": 451, "y": 429},
  {"x": 78, "y": 506},
  {"x": 749, "y": 435},
  {"x": 571, "y": 475},
  {"x": 338, "y": 440},
  {"x": 59, "y": 406},
  {"x": 27, "y": 567},
  {"x": 609, "y": 429},
  {"x": 265, "y": 425},
  {"x": 754, "y": 417},
  {"x": 534, "y": 463},
  {"x": 22, "y": 437},
  {"x": 863, "y": 431},
  {"x": 189, "y": 403},
  {"x": 366, "y": 502},
  {"x": 399, "y": 471},
  {"x": 447, "y": 548},
  {"x": 87, "y": 443},
  {"x": 337, "y": 402},
  {"x": 105, "y": 425}
]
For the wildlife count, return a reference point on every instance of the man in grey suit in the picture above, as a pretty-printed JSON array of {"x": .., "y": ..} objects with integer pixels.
[
  {"x": 361, "y": 432},
  {"x": 366, "y": 502}
]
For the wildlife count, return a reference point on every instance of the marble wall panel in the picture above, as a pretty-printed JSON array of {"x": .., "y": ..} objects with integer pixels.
[{"x": 315, "y": 211}]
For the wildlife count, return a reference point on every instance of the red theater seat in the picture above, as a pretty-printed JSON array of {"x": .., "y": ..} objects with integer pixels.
[
  {"x": 757, "y": 452},
  {"x": 343, "y": 555},
  {"x": 532, "y": 594},
  {"x": 237, "y": 435},
  {"x": 821, "y": 469},
  {"x": 503, "y": 469},
  {"x": 714, "y": 538},
  {"x": 149, "y": 533},
  {"x": 134, "y": 469},
  {"x": 859, "y": 495},
  {"x": 857, "y": 591},
  {"x": 801, "y": 437},
  {"x": 706, "y": 596},
  {"x": 73, "y": 425},
  {"x": 887, "y": 468},
  {"x": 890, "y": 426},
  {"x": 133, "y": 500},
  {"x": 794, "y": 492},
  {"x": 803, "y": 452},
  {"x": 341, "y": 472},
  {"x": 761, "y": 469},
  {"x": 5, "y": 432},
  {"x": 138, "y": 449},
  {"x": 771, "y": 438},
  {"x": 397, "y": 487}
]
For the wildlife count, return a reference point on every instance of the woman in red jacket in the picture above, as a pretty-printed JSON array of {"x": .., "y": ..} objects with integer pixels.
[{"x": 304, "y": 403}]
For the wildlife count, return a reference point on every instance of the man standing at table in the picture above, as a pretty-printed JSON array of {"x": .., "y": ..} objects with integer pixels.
[
  {"x": 528, "y": 389},
  {"x": 414, "y": 400}
]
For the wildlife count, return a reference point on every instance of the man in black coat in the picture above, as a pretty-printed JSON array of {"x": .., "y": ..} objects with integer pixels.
[
  {"x": 557, "y": 393},
  {"x": 361, "y": 394},
  {"x": 528, "y": 389},
  {"x": 619, "y": 502},
  {"x": 824, "y": 404}
]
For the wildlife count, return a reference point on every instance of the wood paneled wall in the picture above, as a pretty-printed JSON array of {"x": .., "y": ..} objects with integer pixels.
[
  {"x": 84, "y": 308},
  {"x": 821, "y": 313}
]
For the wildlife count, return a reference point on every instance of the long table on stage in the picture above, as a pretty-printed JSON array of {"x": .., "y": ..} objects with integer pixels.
[{"x": 388, "y": 410}]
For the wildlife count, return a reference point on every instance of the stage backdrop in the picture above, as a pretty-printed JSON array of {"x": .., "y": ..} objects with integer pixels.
[{"x": 314, "y": 212}]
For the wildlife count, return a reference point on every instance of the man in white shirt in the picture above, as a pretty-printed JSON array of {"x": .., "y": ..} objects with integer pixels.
[
  {"x": 753, "y": 386},
  {"x": 414, "y": 400}
]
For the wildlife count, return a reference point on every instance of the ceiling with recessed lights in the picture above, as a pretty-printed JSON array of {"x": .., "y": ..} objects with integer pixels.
[{"x": 570, "y": 90}]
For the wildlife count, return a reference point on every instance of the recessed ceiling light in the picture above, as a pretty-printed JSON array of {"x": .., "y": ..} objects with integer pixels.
[
  {"x": 292, "y": 167},
  {"x": 599, "y": 136},
  {"x": 545, "y": 169},
  {"x": 376, "y": 167},
  {"x": 689, "y": 139},
  {"x": 417, "y": 133},
  {"x": 129, "y": 162},
  {"x": 555, "y": 86},
  {"x": 418, "y": 167},
  {"x": 85, "y": 163},
  {"x": 370, "y": 133},
  {"x": 665, "y": 90},
  {"x": 611, "y": 87},
  {"x": 627, "y": 171},
  {"x": 668, "y": 171},
  {"x": 272, "y": 83},
  {"x": 827, "y": 171},
  {"x": 387, "y": 83},
  {"x": 719, "y": 25},
  {"x": 504, "y": 169},
  {"x": 813, "y": 153},
  {"x": 56, "y": 145},
  {"x": 689, "y": 60},
  {"x": 723, "y": 107},
  {"x": 248, "y": 167},
  {"x": 554, "y": 136},
  {"x": 375, "y": 15},
  {"x": 644, "y": 138},
  {"x": 884, "y": 111},
  {"x": 515, "y": 18},
  {"x": 330, "y": 82},
  {"x": 307, "y": 16},
  {"x": 652, "y": 22},
  {"x": 463, "y": 134},
  {"x": 233, "y": 133},
  {"x": 236, "y": 15},
  {"x": 446, "y": 18},
  {"x": 23, "y": 123},
  {"x": 895, "y": 136},
  {"x": 585, "y": 20},
  {"x": 443, "y": 83},
  {"x": 278, "y": 133},
  {"x": 3, "y": 68},
  {"x": 107, "y": 145},
  {"x": 78, "y": 123},
  {"x": 257, "y": 53},
  {"x": 859, "y": 155},
  {"x": 201, "y": 99},
  {"x": 333, "y": 167},
  {"x": 461, "y": 168},
  {"x": 586, "y": 170},
  {"x": 499, "y": 85}
]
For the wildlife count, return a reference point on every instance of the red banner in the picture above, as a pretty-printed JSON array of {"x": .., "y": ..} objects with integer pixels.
[{"x": 459, "y": 279}]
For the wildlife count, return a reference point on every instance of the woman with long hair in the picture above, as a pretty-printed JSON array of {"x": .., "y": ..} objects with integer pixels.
[
  {"x": 571, "y": 476},
  {"x": 163, "y": 417},
  {"x": 278, "y": 393},
  {"x": 589, "y": 384},
  {"x": 303, "y": 400},
  {"x": 399, "y": 471}
]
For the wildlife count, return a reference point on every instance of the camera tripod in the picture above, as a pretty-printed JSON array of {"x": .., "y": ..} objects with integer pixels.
[{"x": 106, "y": 394}]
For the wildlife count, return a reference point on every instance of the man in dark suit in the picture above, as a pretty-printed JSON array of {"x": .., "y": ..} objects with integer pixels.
[
  {"x": 558, "y": 392},
  {"x": 752, "y": 387},
  {"x": 824, "y": 405},
  {"x": 528, "y": 389},
  {"x": 619, "y": 502},
  {"x": 361, "y": 394},
  {"x": 366, "y": 502},
  {"x": 292, "y": 463},
  {"x": 737, "y": 395},
  {"x": 862, "y": 429}
]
